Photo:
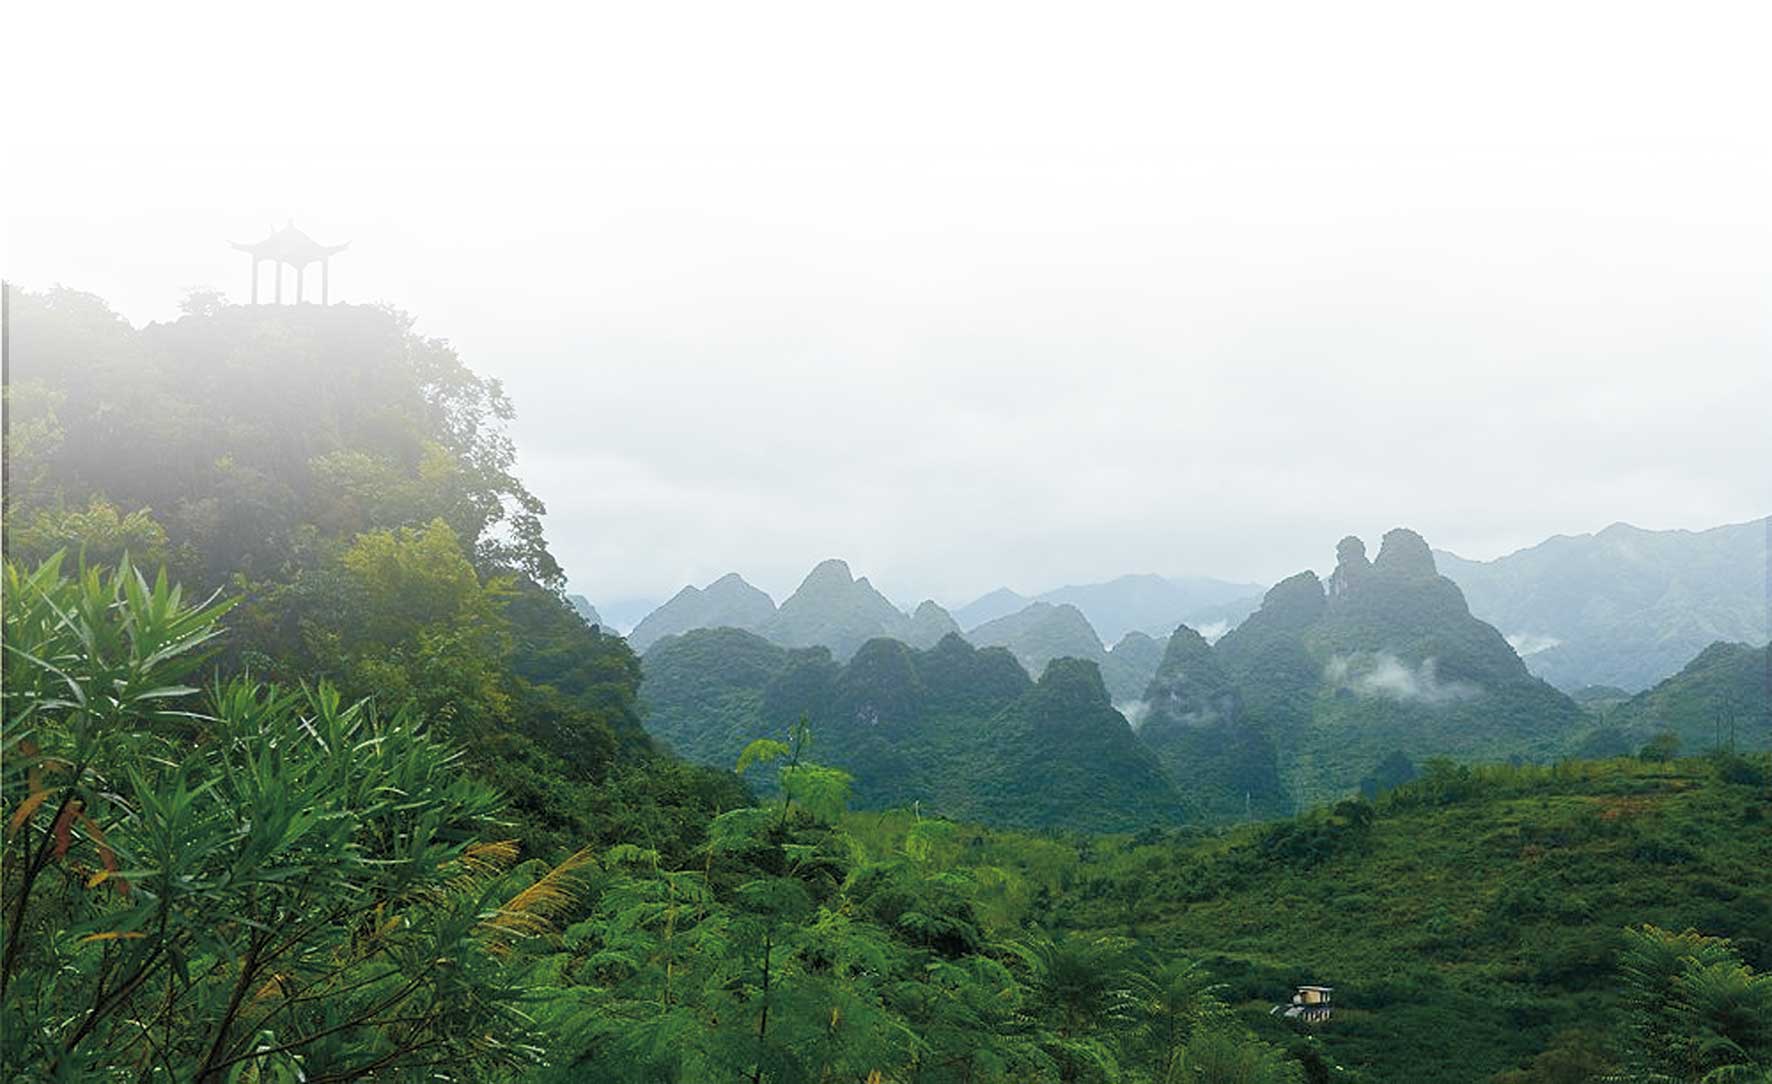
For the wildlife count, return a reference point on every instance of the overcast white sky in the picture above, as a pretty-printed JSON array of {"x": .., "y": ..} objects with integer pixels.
[{"x": 977, "y": 295}]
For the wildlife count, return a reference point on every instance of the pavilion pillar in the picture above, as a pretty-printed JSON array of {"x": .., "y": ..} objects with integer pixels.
[
  {"x": 325, "y": 274},
  {"x": 279, "y": 265},
  {"x": 254, "y": 259},
  {"x": 301, "y": 274}
]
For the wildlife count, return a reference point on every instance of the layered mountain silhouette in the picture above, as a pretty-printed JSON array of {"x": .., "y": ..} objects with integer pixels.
[
  {"x": 999, "y": 603},
  {"x": 1042, "y": 632},
  {"x": 1624, "y": 607},
  {"x": 1146, "y": 603},
  {"x": 1156, "y": 604},
  {"x": 1324, "y": 682},
  {"x": 930, "y": 624},
  {"x": 831, "y": 608},
  {"x": 960, "y": 729}
]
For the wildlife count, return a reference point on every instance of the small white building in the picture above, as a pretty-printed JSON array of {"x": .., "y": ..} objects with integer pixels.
[{"x": 1310, "y": 1004}]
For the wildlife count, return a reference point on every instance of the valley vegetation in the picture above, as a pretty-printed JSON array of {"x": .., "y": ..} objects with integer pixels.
[{"x": 310, "y": 772}]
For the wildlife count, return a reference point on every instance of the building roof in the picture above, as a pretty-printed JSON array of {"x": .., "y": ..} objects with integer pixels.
[{"x": 291, "y": 246}]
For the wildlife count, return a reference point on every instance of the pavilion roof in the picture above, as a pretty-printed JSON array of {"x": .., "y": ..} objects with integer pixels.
[{"x": 291, "y": 246}]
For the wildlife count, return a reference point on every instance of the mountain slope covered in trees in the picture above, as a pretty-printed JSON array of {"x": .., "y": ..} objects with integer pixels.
[
  {"x": 962, "y": 730},
  {"x": 1473, "y": 922},
  {"x": 1383, "y": 658},
  {"x": 1721, "y": 698}
]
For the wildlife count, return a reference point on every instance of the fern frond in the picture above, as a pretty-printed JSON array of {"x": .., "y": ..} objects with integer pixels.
[
  {"x": 490, "y": 859},
  {"x": 533, "y": 911},
  {"x": 761, "y": 751}
]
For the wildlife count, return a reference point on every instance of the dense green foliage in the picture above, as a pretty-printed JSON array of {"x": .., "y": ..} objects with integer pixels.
[
  {"x": 270, "y": 883},
  {"x": 259, "y": 885},
  {"x": 1299, "y": 705},
  {"x": 1193, "y": 721},
  {"x": 351, "y": 486}
]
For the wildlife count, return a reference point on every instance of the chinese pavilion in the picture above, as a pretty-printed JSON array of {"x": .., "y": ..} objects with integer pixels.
[{"x": 290, "y": 246}]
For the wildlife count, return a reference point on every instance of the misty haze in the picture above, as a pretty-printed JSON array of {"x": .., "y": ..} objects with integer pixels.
[{"x": 931, "y": 545}]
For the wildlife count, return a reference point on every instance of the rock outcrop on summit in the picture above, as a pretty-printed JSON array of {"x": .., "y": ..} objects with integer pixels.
[{"x": 1385, "y": 657}]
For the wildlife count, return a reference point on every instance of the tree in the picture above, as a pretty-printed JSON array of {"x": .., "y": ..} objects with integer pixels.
[
  {"x": 199, "y": 888},
  {"x": 1693, "y": 1009},
  {"x": 1663, "y": 746},
  {"x": 1392, "y": 772}
]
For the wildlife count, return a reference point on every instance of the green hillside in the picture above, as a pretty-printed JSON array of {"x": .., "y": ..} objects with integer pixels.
[
  {"x": 1723, "y": 696},
  {"x": 1468, "y": 921},
  {"x": 367, "y": 798}
]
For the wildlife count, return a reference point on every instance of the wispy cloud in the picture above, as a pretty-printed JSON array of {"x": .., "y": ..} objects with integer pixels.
[{"x": 1386, "y": 676}]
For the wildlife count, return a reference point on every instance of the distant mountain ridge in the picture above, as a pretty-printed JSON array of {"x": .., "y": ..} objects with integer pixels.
[
  {"x": 1325, "y": 682},
  {"x": 1155, "y": 605},
  {"x": 1623, "y": 606},
  {"x": 832, "y": 608},
  {"x": 1139, "y": 602},
  {"x": 1042, "y": 632},
  {"x": 835, "y": 609}
]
